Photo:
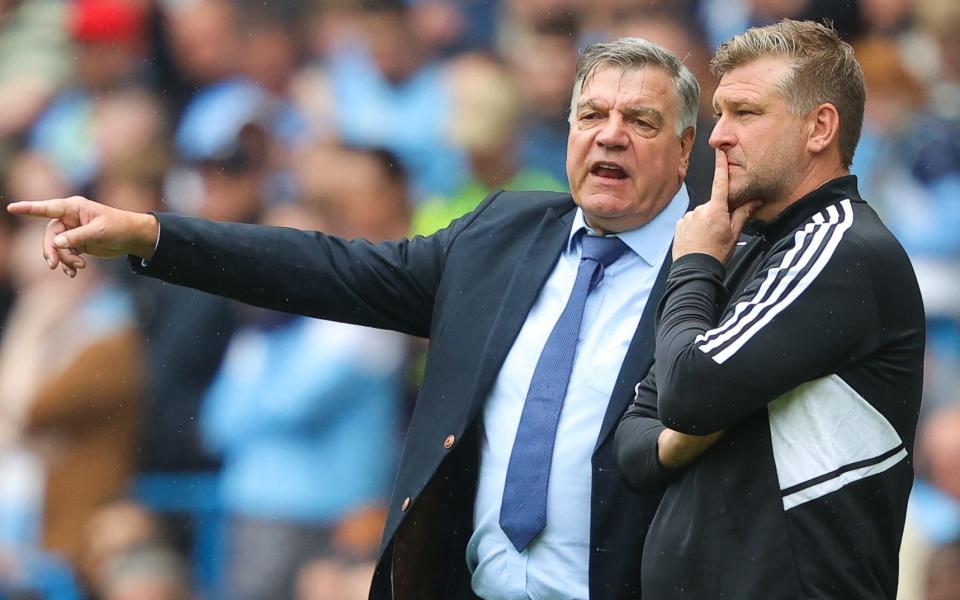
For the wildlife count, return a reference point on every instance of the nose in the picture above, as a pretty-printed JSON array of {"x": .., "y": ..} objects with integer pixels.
[
  {"x": 613, "y": 135},
  {"x": 721, "y": 137}
]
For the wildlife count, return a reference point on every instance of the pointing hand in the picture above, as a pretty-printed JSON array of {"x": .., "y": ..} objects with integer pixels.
[{"x": 79, "y": 226}]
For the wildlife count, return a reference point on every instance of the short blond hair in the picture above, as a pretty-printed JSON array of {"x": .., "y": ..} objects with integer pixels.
[{"x": 824, "y": 71}]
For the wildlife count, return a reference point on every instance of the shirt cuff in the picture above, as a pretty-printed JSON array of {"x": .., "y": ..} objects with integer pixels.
[{"x": 144, "y": 262}]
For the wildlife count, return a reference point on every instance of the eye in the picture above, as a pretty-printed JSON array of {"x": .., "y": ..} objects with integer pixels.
[{"x": 590, "y": 116}]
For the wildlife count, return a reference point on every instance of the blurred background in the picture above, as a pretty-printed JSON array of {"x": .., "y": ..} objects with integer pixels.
[{"x": 158, "y": 443}]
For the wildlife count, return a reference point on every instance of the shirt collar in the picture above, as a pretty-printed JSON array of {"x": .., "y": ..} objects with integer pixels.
[{"x": 650, "y": 241}]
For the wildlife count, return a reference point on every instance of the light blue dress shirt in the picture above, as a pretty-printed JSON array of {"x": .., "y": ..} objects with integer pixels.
[{"x": 554, "y": 565}]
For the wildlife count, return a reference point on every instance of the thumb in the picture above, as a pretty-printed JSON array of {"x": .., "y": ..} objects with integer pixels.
[
  {"x": 739, "y": 216},
  {"x": 80, "y": 236}
]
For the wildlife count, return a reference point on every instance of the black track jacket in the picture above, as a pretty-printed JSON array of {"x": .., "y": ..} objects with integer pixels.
[{"x": 807, "y": 350}]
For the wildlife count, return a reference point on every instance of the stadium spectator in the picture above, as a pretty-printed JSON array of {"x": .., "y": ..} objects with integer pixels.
[
  {"x": 933, "y": 516},
  {"x": 943, "y": 574},
  {"x": 114, "y": 530},
  {"x": 147, "y": 573},
  {"x": 722, "y": 19},
  {"x": 34, "y": 62},
  {"x": 109, "y": 42},
  {"x": 292, "y": 410},
  {"x": 378, "y": 89},
  {"x": 79, "y": 412},
  {"x": 541, "y": 62},
  {"x": 909, "y": 163},
  {"x": 486, "y": 125}
]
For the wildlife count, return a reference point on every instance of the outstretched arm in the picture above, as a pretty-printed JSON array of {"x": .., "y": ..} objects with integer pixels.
[
  {"x": 79, "y": 226},
  {"x": 389, "y": 285}
]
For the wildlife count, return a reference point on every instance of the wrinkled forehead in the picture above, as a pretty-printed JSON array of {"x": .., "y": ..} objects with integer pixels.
[
  {"x": 640, "y": 85},
  {"x": 610, "y": 71}
]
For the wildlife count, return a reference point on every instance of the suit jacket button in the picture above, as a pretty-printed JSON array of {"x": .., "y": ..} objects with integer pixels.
[
  {"x": 448, "y": 442},
  {"x": 405, "y": 505}
]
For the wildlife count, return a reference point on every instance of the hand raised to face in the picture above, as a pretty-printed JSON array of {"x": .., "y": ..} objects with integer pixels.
[{"x": 713, "y": 228}]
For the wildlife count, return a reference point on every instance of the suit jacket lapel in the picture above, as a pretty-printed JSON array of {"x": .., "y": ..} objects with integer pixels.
[
  {"x": 639, "y": 355},
  {"x": 532, "y": 269}
]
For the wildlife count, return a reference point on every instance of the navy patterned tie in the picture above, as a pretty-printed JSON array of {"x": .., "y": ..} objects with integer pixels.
[{"x": 523, "y": 513}]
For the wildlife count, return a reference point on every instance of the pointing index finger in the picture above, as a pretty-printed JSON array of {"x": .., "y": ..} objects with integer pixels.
[{"x": 51, "y": 209}]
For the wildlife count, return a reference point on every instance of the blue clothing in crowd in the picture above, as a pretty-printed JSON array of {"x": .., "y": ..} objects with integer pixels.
[
  {"x": 409, "y": 118},
  {"x": 304, "y": 415}
]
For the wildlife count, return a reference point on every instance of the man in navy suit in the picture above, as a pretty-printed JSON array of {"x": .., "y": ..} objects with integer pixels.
[{"x": 539, "y": 308}]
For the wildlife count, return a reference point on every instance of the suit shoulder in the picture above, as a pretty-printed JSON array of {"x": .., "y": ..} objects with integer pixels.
[
  {"x": 538, "y": 201},
  {"x": 515, "y": 213}
]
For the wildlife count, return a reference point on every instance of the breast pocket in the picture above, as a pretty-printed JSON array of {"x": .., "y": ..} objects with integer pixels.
[{"x": 604, "y": 364}]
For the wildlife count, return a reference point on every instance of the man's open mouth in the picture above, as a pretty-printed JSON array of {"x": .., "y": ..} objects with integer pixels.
[{"x": 608, "y": 170}]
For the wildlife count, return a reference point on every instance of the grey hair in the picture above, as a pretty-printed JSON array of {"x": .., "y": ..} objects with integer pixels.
[{"x": 634, "y": 52}]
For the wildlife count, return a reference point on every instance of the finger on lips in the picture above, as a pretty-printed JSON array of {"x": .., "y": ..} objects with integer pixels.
[{"x": 720, "y": 177}]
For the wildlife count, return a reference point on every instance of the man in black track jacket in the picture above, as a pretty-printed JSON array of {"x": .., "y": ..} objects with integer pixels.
[{"x": 780, "y": 413}]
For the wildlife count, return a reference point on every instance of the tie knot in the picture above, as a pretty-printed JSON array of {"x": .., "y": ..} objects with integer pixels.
[{"x": 605, "y": 250}]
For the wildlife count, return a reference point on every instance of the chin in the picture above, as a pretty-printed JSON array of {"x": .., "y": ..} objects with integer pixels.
[{"x": 605, "y": 205}]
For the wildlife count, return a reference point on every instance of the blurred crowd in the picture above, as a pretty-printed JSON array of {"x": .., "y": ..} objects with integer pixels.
[{"x": 158, "y": 443}]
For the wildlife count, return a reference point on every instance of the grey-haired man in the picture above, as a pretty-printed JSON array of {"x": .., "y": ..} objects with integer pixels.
[{"x": 539, "y": 308}]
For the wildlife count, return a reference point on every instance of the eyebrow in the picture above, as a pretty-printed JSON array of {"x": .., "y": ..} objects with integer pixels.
[
  {"x": 591, "y": 104},
  {"x": 644, "y": 111},
  {"x": 735, "y": 103},
  {"x": 640, "y": 111}
]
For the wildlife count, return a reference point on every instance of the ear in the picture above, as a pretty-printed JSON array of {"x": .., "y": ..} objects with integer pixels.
[
  {"x": 686, "y": 145},
  {"x": 824, "y": 128}
]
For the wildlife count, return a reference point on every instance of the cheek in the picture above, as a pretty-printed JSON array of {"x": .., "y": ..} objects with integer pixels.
[
  {"x": 578, "y": 146},
  {"x": 657, "y": 164}
]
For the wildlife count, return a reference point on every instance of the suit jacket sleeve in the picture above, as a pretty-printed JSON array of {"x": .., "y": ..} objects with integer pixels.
[{"x": 390, "y": 285}]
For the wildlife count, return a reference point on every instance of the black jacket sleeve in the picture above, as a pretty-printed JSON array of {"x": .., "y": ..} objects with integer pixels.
[
  {"x": 807, "y": 312},
  {"x": 390, "y": 285},
  {"x": 636, "y": 441}
]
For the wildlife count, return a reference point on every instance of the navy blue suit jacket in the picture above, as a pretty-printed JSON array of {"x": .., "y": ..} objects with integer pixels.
[{"x": 468, "y": 288}]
